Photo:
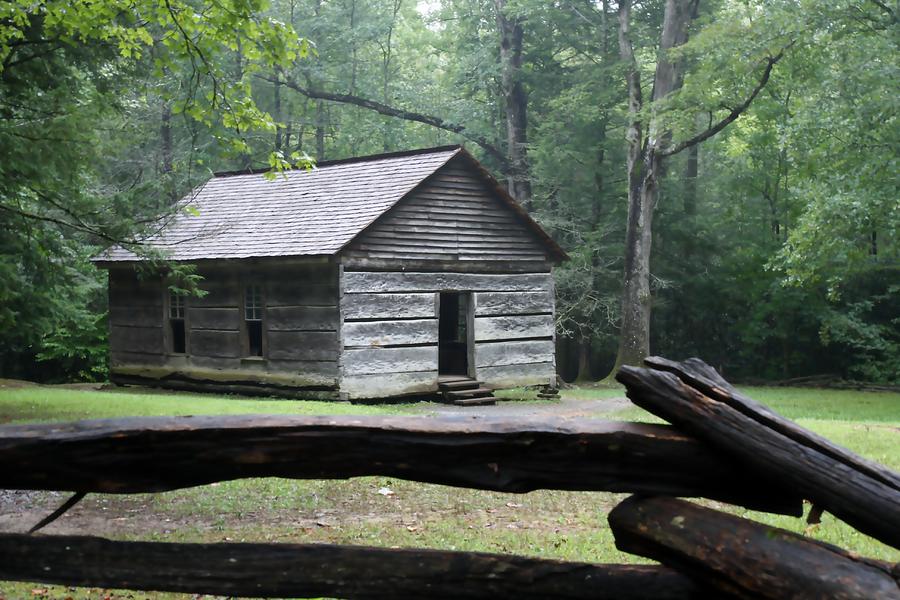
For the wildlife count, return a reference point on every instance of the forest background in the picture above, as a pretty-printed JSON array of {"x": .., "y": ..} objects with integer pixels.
[{"x": 758, "y": 138}]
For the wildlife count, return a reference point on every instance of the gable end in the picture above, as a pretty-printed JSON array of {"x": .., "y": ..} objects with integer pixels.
[{"x": 456, "y": 214}]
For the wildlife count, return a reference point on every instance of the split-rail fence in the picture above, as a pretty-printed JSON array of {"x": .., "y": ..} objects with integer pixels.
[{"x": 721, "y": 446}]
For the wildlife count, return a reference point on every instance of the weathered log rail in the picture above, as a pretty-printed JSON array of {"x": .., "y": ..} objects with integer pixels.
[
  {"x": 832, "y": 477},
  {"x": 315, "y": 570},
  {"x": 157, "y": 454},
  {"x": 744, "y": 558},
  {"x": 724, "y": 446}
]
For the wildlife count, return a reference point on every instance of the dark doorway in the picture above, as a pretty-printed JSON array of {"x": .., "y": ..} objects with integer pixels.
[{"x": 453, "y": 334}]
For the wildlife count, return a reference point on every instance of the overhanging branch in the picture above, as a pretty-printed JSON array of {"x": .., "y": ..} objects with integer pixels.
[
  {"x": 399, "y": 113},
  {"x": 735, "y": 112}
]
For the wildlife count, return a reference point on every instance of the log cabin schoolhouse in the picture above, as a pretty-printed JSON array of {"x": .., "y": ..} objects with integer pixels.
[{"x": 363, "y": 278}]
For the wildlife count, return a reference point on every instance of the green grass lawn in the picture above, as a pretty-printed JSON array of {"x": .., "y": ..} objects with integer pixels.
[
  {"x": 47, "y": 403},
  {"x": 551, "y": 524}
]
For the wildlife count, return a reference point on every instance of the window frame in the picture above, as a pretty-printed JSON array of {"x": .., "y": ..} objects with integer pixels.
[
  {"x": 258, "y": 308},
  {"x": 174, "y": 304}
]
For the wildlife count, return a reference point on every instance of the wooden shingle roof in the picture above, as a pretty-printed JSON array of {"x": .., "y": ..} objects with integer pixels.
[{"x": 298, "y": 213}]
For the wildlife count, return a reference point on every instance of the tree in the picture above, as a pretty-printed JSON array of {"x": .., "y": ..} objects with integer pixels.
[
  {"x": 649, "y": 140},
  {"x": 105, "y": 112},
  {"x": 515, "y": 102}
]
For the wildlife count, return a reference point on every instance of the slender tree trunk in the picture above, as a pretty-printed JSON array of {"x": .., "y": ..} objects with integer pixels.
[
  {"x": 321, "y": 120},
  {"x": 278, "y": 116},
  {"x": 387, "y": 56},
  {"x": 515, "y": 103},
  {"x": 165, "y": 138},
  {"x": 645, "y": 166},
  {"x": 167, "y": 153},
  {"x": 584, "y": 359},
  {"x": 690, "y": 180}
]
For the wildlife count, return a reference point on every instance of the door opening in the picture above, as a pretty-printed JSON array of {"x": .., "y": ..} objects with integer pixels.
[{"x": 453, "y": 334}]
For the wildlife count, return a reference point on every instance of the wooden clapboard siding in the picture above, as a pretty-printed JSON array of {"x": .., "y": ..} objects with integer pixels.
[
  {"x": 382, "y": 385},
  {"x": 507, "y": 376},
  {"x": 380, "y": 282},
  {"x": 499, "y": 354},
  {"x": 513, "y": 327},
  {"x": 388, "y": 306},
  {"x": 390, "y": 333},
  {"x": 513, "y": 303},
  {"x": 453, "y": 215}
]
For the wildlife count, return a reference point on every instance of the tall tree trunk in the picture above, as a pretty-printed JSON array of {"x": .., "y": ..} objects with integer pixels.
[
  {"x": 515, "y": 104},
  {"x": 645, "y": 165}
]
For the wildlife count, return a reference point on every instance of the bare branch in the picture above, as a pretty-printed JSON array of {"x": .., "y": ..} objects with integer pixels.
[
  {"x": 886, "y": 9},
  {"x": 735, "y": 112},
  {"x": 58, "y": 512},
  {"x": 399, "y": 113}
]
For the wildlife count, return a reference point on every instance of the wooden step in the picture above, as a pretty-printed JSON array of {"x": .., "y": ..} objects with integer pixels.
[
  {"x": 471, "y": 393},
  {"x": 461, "y": 384},
  {"x": 480, "y": 401}
]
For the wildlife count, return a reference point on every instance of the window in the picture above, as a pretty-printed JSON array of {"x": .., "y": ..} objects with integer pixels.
[
  {"x": 253, "y": 314},
  {"x": 177, "y": 332}
]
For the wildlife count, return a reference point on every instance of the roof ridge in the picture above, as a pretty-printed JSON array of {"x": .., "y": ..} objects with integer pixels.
[{"x": 352, "y": 159}]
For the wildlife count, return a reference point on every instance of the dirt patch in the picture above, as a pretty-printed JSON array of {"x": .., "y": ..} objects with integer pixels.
[
  {"x": 12, "y": 384},
  {"x": 565, "y": 407}
]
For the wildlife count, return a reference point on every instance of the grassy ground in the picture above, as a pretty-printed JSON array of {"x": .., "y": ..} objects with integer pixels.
[
  {"x": 564, "y": 525},
  {"x": 46, "y": 403}
]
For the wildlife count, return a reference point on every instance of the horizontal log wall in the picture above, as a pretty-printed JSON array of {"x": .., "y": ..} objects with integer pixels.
[
  {"x": 301, "y": 320},
  {"x": 136, "y": 319},
  {"x": 454, "y": 215},
  {"x": 388, "y": 337},
  {"x": 514, "y": 336},
  {"x": 390, "y": 329}
]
